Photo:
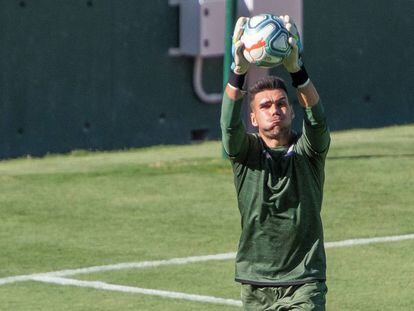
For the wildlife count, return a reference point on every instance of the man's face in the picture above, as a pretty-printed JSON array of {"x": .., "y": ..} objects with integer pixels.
[{"x": 272, "y": 113}]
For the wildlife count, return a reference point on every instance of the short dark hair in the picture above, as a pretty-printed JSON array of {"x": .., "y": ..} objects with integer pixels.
[{"x": 267, "y": 83}]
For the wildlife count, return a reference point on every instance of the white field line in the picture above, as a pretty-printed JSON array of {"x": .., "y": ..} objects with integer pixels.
[
  {"x": 187, "y": 260},
  {"x": 120, "y": 266},
  {"x": 366, "y": 241},
  {"x": 137, "y": 290},
  {"x": 145, "y": 264}
]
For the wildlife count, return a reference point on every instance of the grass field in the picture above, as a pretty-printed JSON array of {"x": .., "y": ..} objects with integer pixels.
[{"x": 92, "y": 209}]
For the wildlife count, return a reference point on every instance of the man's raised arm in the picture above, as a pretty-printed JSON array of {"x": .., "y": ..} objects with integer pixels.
[
  {"x": 315, "y": 129},
  {"x": 234, "y": 138}
]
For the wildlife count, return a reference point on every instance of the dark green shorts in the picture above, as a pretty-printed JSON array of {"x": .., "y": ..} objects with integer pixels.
[{"x": 310, "y": 296}]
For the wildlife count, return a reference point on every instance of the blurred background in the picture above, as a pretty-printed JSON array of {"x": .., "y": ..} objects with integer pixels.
[{"x": 106, "y": 74}]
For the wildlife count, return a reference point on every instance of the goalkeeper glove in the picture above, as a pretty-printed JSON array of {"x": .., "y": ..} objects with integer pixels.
[
  {"x": 293, "y": 61},
  {"x": 240, "y": 65}
]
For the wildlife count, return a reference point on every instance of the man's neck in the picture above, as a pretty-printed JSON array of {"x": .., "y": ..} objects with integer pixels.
[{"x": 283, "y": 139}]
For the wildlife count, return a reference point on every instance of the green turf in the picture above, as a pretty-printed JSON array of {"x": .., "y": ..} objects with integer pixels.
[
  {"x": 86, "y": 209},
  {"x": 371, "y": 277}
]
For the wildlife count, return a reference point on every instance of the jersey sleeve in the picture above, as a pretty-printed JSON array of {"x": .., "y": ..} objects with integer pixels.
[
  {"x": 315, "y": 139},
  {"x": 234, "y": 137}
]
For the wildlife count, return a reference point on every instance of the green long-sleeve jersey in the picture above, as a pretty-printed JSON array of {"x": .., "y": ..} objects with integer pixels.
[{"x": 279, "y": 192}]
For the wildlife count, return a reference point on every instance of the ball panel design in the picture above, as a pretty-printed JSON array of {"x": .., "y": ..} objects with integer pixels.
[
  {"x": 252, "y": 38},
  {"x": 257, "y": 53},
  {"x": 269, "y": 61},
  {"x": 280, "y": 42},
  {"x": 256, "y": 20}
]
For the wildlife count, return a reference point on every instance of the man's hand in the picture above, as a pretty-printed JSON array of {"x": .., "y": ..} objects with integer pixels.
[
  {"x": 240, "y": 65},
  {"x": 293, "y": 62}
]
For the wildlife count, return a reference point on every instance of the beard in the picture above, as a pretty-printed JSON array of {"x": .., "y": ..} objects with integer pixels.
[{"x": 276, "y": 132}]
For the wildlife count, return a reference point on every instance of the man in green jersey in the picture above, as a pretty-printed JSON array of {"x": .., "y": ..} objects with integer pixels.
[{"x": 279, "y": 177}]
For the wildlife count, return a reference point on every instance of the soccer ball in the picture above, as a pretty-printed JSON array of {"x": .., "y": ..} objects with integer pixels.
[{"x": 265, "y": 40}]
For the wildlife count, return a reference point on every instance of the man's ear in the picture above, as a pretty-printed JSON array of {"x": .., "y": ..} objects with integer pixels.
[{"x": 253, "y": 119}]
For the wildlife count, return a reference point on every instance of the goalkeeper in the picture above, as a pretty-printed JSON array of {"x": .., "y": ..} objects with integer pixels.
[{"x": 279, "y": 177}]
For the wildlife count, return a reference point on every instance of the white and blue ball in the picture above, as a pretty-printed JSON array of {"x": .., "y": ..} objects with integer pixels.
[{"x": 265, "y": 40}]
